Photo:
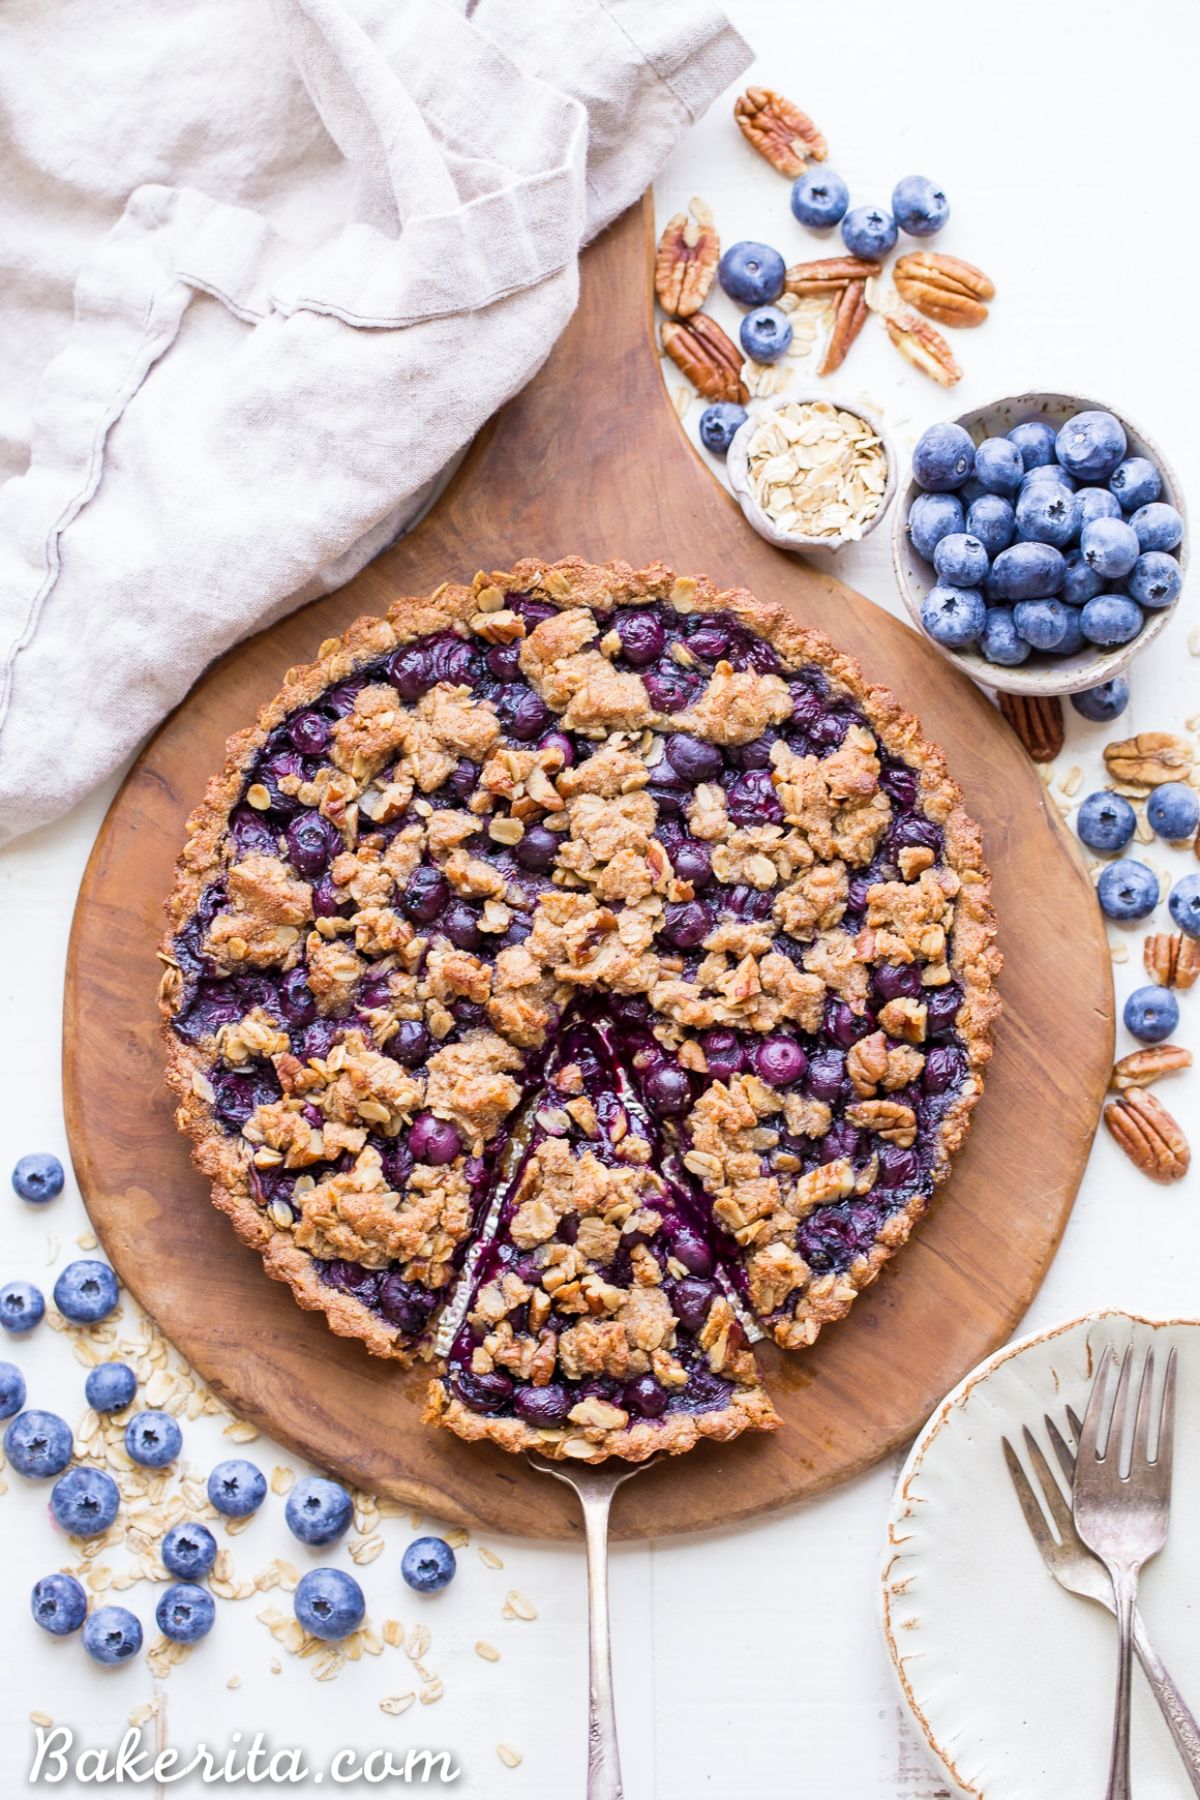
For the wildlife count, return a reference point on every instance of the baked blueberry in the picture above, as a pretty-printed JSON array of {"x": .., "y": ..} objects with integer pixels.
[
  {"x": 1158, "y": 526},
  {"x": 433, "y": 1140},
  {"x": 85, "y": 1501},
  {"x": 1110, "y": 547},
  {"x": 237, "y": 1487},
  {"x": 1173, "y": 811},
  {"x": 993, "y": 521},
  {"x": 38, "y": 1444},
  {"x": 641, "y": 634},
  {"x": 919, "y": 206},
  {"x": 1090, "y": 445},
  {"x": 21, "y": 1307},
  {"x": 1135, "y": 482},
  {"x": 954, "y": 617},
  {"x": 185, "y": 1613},
  {"x": 779, "y": 1061},
  {"x": 1097, "y": 503},
  {"x": 86, "y": 1292},
  {"x": 718, "y": 425},
  {"x": 329, "y": 1603},
  {"x": 1127, "y": 890},
  {"x": 318, "y": 1511},
  {"x": 428, "y": 1565},
  {"x": 110, "y": 1387},
  {"x": 1106, "y": 701},
  {"x": 752, "y": 274},
  {"x": 998, "y": 466},
  {"x": 1106, "y": 822},
  {"x": 693, "y": 758},
  {"x": 868, "y": 232},
  {"x": 12, "y": 1390},
  {"x": 1047, "y": 514},
  {"x": 819, "y": 198},
  {"x": 1111, "y": 619},
  {"x": 1151, "y": 1013},
  {"x": 766, "y": 334},
  {"x": 1155, "y": 579},
  {"x": 38, "y": 1177},
  {"x": 960, "y": 560},
  {"x": 189, "y": 1550},
  {"x": 1042, "y": 623},
  {"x": 944, "y": 457},
  {"x": 112, "y": 1635},
  {"x": 1035, "y": 439},
  {"x": 1184, "y": 904},
  {"x": 1001, "y": 643},
  {"x": 153, "y": 1439},
  {"x": 59, "y": 1604},
  {"x": 932, "y": 517},
  {"x": 1026, "y": 572}
]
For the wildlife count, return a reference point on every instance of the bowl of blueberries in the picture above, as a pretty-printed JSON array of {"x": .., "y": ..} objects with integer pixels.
[{"x": 1041, "y": 542}]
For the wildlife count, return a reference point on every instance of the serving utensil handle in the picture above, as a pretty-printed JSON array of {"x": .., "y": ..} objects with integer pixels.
[{"x": 604, "y": 1756}]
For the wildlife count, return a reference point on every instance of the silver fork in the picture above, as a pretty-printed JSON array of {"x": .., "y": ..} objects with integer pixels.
[
  {"x": 1123, "y": 1516},
  {"x": 1075, "y": 1568}
]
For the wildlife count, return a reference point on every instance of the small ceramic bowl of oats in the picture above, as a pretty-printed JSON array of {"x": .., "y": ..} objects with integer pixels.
[{"x": 812, "y": 473}]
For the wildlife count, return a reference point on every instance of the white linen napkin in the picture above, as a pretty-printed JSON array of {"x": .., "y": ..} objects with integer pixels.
[{"x": 263, "y": 271}]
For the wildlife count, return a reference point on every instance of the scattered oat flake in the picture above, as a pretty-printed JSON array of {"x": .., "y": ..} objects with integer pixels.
[
  {"x": 488, "y": 1651},
  {"x": 87, "y": 1241},
  {"x": 681, "y": 400},
  {"x": 508, "y": 1756},
  {"x": 488, "y": 1558},
  {"x": 366, "y": 1550},
  {"x": 419, "y": 1642},
  {"x": 42, "y": 1719},
  {"x": 1119, "y": 953},
  {"x": 517, "y": 1606},
  {"x": 241, "y": 1433},
  {"x": 458, "y": 1537},
  {"x": 393, "y": 1633},
  {"x": 276, "y": 1666},
  {"x": 397, "y": 1703},
  {"x": 1072, "y": 780},
  {"x": 434, "y": 1691},
  {"x": 1194, "y": 640},
  {"x": 235, "y": 1681}
]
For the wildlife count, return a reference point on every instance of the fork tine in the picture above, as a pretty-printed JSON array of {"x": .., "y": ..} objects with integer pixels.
[
  {"x": 1140, "y": 1453},
  {"x": 1060, "y": 1512},
  {"x": 1166, "y": 1427},
  {"x": 1034, "y": 1517},
  {"x": 1066, "y": 1457},
  {"x": 1095, "y": 1406},
  {"x": 1075, "y": 1422},
  {"x": 1115, "y": 1436}
]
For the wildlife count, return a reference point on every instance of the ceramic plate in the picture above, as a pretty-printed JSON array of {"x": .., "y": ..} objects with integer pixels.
[{"x": 1008, "y": 1677}]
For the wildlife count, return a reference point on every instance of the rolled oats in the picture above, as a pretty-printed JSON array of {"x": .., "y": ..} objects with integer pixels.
[{"x": 816, "y": 470}]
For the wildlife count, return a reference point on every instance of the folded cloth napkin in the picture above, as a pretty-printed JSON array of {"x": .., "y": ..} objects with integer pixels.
[{"x": 264, "y": 270}]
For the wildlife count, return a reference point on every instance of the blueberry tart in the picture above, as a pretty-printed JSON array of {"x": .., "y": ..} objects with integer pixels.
[{"x": 573, "y": 977}]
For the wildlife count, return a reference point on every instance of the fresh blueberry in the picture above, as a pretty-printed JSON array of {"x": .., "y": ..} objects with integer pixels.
[
  {"x": 237, "y": 1487},
  {"x": 1034, "y": 439},
  {"x": 185, "y": 1613},
  {"x": 428, "y": 1565},
  {"x": 86, "y": 1292},
  {"x": 819, "y": 198},
  {"x": 1027, "y": 572},
  {"x": 1047, "y": 514},
  {"x": 1110, "y": 547},
  {"x": 1096, "y": 503},
  {"x": 992, "y": 520},
  {"x": 39, "y": 1444},
  {"x": 12, "y": 1390},
  {"x": 1000, "y": 642},
  {"x": 329, "y": 1604},
  {"x": 1184, "y": 904},
  {"x": 1106, "y": 821},
  {"x": 112, "y": 1635},
  {"x": 1173, "y": 810},
  {"x": 1151, "y": 1013},
  {"x": 433, "y": 1140},
  {"x": 189, "y": 1551},
  {"x": 153, "y": 1439},
  {"x": 1081, "y": 583},
  {"x": 960, "y": 560},
  {"x": 998, "y": 466},
  {"x": 1048, "y": 472},
  {"x": 766, "y": 333},
  {"x": 1102, "y": 703},
  {"x": 38, "y": 1177},
  {"x": 752, "y": 274},
  {"x": 59, "y": 1604},
  {"x": 21, "y": 1307},
  {"x": 1042, "y": 623},
  {"x": 971, "y": 490},
  {"x": 1072, "y": 640},
  {"x": 318, "y": 1511},
  {"x": 943, "y": 459},
  {"x": 1090, "y": 445},
  {"x": 1135, "y": 482},
  {"x": 85, "y": 1502},
  {"x": 919, "y": 205},
  {"x": 931, "y": 517},
  {"x": 954, "y": 617},
  {"x": 110, "y": 1387},
  {"x": 1158, "y": 526},
  {"x": 1128, "y": 890},
  {"x": 719, "y": 423},
  {"x": 868, "y": 232},
  {"x": 1155, "y": 579},
  {"x": 1111, "y": 619}
]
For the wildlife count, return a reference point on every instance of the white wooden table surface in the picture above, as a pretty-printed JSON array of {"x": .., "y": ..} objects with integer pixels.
[{"x": 749, "y": 1663}]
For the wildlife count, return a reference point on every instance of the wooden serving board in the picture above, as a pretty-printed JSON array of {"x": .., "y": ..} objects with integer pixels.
[{"x": 589, "y": 459}]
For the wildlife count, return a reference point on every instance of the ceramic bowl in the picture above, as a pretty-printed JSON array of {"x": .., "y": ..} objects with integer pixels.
[
  {"x": 1042, "y": 674},
  {"x": 739, "y": 476}
]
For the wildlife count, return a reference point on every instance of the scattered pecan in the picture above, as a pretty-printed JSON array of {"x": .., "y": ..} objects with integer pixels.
[
  {"x": 688, "y": 252},
  {"x": 1141, "y": 1067},
  {"x": 1148, "y": 1135},
  {"x": 848, "y": 321},
  {"x": 1037, "y": 720},
  {"x": 712, "y": 364},
  {"x": 828, "y": 275},
  {"x": 944, "y": 287},
  {"x": 778, "y": 130},
  {"x": 1147, "y": 760},
  {"x": 1172, "y": 961},
  {"x": 891, "y": 1120},
  {"x": 922, "y": 346}
]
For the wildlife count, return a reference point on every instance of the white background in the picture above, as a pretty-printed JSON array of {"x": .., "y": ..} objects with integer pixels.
[{"x": 748, "y": 1663}]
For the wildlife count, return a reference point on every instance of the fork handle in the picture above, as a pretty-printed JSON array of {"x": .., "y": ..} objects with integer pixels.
[
  {"x": 1124, "y": 1580},
  {"x": 1173, "y": 1706}
]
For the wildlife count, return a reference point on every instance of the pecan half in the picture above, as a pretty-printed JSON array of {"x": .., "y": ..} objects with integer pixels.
[
  {"x": 1147, "y": 760},
  {"x": 1037, "y": 720},
  {"x": 828, "y": 275},
  {"x": 701, "y": 350},
  {"x": 891, "y": 1120},
  {"x": 922, "y": 346},
  {"x": 778, "y": 130},
  {"x": 867, "y": 1063},
  {"x": 1149, "y": 1136},
  {"x": 688, "y": 252},
  {"x": 944, "y": 287},
  {"x": 848, "y": 321},
  {"x": 1172, "y": 961},
  {"x": 1141, "y": 1067}
]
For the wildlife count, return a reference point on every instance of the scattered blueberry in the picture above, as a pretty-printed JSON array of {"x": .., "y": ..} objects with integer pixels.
[
  {"x": 1110, "y": 547},
  {"x": 919, "y": 206},
  {"x": 59, "y": 1604},
  {"x": 1184, "y": 904},
  {"x": 237, "y": 1487},
  {"x": 1106, "y": 701},
  {"x": 1135, "y": 482},
  {"x": 1106, "y": 821},
  {"x": 21, "y": 1307},
  {"x": 1097, "y": 503},
  {"x": 992, "y": 520},
  {"x": 1090, "y": 445},
  {"x": 428, "y": 1565},
  {"x": 1111, "y": 619},
  {"x": 85, "y": 1502},
  {"x": 931, "y": 517},
  {"x": 1158, "y": 526},
  {"x": 86, "y": 1292},
  {"x": 752, "y": 274},
  {"x": 819, "y": 198},
  {"x": 38, "y": 1177},
  {"x": 318, "y": 1511},
  {"x": 185, "y": 1613},
  {"x": 12, "y": 1390},
  {"x": 1151, "y": 1013},
  {"x": 943, "y": 459},
  {"x": 1127, "y": 890},
  {"x": 153, "y": 1439},
  {"x": 1155, "y": 579},
  {"x": 1000, "y": 642},
  {"x": 718, "y": 423},
  {"x": 954, "y": 617},
  {"x": 1173, "y": 810},
  {"x": 868, "y": 232},
  {"x": 998, "y": 466},
  {"x": 1081, "y": 583},
  {"x": 960, "y": 560},
  {"x": 189, "y": 1551},
  {"x": 112, "y": 1635},
  {"x": 766, "y": 333},
  {"x": 1047, "y": 514},
  {"x": 39, "y": 1444},
  {"x": 1035, "y": 440},
  {"x": 1042, "y": 623},
  {"x": 329, "y": 1604},
  {"x": 1027, "y": 572},
  {"x": 110, "y": 1387}
]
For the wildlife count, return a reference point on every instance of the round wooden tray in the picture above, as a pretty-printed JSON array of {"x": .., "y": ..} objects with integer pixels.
[{"x": 589, "y": 459}]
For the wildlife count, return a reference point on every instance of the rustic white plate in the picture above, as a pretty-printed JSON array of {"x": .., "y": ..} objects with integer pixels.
[{"x": 1009, "y": 1678}]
